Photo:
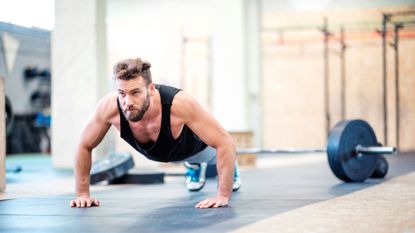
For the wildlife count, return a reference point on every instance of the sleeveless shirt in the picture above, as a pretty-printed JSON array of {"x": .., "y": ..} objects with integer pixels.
[{"x": 165, "y": 148}]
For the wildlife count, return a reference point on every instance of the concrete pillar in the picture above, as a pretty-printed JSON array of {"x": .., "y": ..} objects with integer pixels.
[
  {"x": 253, "y": 67},
  {"x": 2, "y": 138},
  {"x": 228, "y": 53},
  {"x": 236, "y": 68},
  {"x": 79, "y": 72}
]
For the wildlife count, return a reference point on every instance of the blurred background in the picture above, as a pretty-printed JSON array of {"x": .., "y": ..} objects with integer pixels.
[{"x": 280, "y": 73}]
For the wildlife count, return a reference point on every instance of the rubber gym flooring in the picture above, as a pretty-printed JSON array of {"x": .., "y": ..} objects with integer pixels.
[{"x": 284, "y": 194}]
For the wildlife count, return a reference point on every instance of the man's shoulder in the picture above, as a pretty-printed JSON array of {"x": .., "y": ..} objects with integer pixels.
[
  {"x": 107, "y": 106},
  {"x": 111, "y": 96},
  {"x": 181, "y": 97},
  {"x": 165, "y": 86},
  {"x": 183, "y": 103}
]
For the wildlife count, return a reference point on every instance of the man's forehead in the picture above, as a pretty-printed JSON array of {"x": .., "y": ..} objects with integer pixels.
[
  {"x": 128, "y": 89},
  {"x": 128, "y": 85}
]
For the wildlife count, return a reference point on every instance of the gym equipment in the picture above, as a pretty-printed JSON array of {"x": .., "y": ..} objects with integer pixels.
[
  {"x": 353, "y": 153},
  {"x": 114, "y": 166},
  {"x": 352, "y": 150},
  {"x": 140, "y": 176},
  {"x": 381, "y": 169},
  {"x": 9, "y": 117}
]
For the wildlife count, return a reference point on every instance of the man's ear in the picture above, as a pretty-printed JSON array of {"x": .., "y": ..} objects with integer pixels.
[{"x": 151, "y": 88}]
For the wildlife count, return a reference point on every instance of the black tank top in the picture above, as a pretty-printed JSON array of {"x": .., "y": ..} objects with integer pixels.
[{"x": 166, "y": 148}]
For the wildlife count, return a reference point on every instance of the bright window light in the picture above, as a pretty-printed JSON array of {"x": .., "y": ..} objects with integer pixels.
[
  {"x": 309, "y": 5},
  {"x": 28, "y": 13}
]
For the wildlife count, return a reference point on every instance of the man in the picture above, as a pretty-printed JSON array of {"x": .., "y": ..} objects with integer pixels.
[{"x": 162, "y": 123}]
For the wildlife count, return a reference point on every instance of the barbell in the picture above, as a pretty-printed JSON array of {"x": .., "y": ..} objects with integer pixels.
[
  {"x": 353, "y": 153},
  {"x": 352, "y": 150}
]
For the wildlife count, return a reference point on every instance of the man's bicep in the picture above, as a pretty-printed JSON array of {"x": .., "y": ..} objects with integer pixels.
[
  {"x": 94, "y": 132},
  {"x": 100, "y": 122},
  {"x": 200, "y": 121}
]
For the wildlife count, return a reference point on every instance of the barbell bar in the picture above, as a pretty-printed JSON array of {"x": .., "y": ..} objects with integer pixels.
[
  {"x": 371, "y": 150},
  {"x": 242, "y": 151},
  {"x": 376, "y": 150}
]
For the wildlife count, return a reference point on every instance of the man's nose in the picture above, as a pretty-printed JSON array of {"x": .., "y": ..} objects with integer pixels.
[{"x": 128, "y": 102}]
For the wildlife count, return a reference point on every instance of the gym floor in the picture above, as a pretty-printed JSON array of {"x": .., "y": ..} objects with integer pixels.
[{"x": 296, "y": 193}]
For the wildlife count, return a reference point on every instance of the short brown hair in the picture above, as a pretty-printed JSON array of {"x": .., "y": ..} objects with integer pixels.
[{"x": 131, "y": 68}]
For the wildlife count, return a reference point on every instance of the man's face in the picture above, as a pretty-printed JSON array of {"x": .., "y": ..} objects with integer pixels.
[{"x": 134, "y": 98}]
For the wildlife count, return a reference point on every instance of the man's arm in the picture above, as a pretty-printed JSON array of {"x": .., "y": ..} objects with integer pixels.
[
  {"x": 212, "y": 133},
  {"x": 92, "y": 135}
]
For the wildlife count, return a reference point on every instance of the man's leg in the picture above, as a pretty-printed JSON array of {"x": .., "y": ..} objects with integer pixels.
[
  {"x": 236, "y": 178},
  {"x": 196, "y": 169}
]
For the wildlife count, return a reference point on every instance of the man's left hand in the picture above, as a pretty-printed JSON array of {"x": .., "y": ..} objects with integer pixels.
[{"x": 214, "y": 202}]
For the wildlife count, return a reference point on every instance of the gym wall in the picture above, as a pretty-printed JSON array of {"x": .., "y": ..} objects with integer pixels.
[{"x": 293, "y": 66}]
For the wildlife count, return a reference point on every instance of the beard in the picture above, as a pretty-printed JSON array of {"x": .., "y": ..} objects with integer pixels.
[{"x": 135, "y": 115}]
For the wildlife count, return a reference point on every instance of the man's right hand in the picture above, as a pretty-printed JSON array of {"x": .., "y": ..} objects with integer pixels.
[{"x": 84, "y": 201}]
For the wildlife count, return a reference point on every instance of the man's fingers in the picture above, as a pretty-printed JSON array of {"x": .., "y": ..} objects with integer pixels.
[
  {"x": 82, "y": 203},
  {"x": 200, "y": 204},
  {"x": 205, "y": 204},
  {"x": 78, "y": 203},
  {"x": 88, "y": 202},
  {"x": 212, "y": 203},
  {"x": 95, "y": 202},
  {"x": 219, "y": 204},
  {"x": 209, "y": 204}
]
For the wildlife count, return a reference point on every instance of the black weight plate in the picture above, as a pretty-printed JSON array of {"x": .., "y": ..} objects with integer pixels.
[
  {"x": 111, "y": 167},
  {"x": 140, "y": 176},
  {"x": 381, "y": 169},
  {"x": 343, "y": 159}
]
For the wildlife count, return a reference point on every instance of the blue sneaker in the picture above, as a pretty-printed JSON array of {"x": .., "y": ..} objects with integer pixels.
[
  {"x": 196, "y": 176},
  {"x": 236, "y": 179}
]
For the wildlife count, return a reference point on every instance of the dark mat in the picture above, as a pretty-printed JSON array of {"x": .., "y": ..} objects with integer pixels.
[{"x": 169, "y": 207}]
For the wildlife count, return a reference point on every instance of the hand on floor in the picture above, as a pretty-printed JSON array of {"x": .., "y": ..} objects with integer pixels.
[
  {"x": 84, "y": 202},
  {"x": 214, "y": 202}
]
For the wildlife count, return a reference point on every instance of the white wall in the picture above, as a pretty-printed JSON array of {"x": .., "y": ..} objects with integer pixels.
[
  {"x": 229, "y": 86},
  {"x": 152, "y": 30}
]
